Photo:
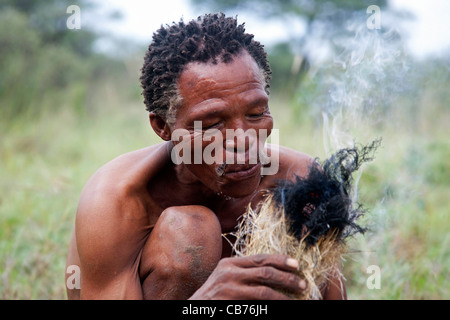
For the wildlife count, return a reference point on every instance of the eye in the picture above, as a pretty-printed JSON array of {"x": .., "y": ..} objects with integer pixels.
[
  {"x": 257, "y": 115},
  {"x": 259, "y": 112},
  {"x": 207, "y": 126}
]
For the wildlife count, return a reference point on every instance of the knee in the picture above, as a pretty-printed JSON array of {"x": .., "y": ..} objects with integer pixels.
[
  {"x": 190, "y": 242},
  {"x": 190, "y": 225}
]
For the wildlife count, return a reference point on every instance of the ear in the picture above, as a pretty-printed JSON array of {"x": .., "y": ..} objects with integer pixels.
[{"x": 160, "y": 126}]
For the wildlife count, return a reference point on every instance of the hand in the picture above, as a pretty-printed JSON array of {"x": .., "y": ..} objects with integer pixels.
[{"x": 256, "y": 277}]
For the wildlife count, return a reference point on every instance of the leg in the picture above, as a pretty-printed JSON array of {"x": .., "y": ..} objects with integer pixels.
[{"x": 180, "y": 253}]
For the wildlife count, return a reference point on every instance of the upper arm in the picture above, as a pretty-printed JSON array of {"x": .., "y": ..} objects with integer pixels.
[
  {"x": 293, "y": 163},
  {"x": 110, "y": 235}
]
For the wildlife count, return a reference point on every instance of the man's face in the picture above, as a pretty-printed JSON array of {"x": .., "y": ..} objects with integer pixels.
[{"x": 229, "y": 101}]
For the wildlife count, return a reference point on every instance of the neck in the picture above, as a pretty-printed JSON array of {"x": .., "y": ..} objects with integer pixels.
[{"x": 190, "y": 190}]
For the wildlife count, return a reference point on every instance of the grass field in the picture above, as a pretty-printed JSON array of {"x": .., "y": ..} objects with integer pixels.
[{"x": 45, "y": 161}]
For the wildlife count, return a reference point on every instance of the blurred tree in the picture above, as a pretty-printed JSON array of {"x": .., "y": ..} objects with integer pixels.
[
  {"x": 285, "y": 68},
  {"x": 49, "y": 18},
  {"x": 43, "y": 64},
  {"x": 316, "y": 14},
  {"x": 308, "y": 10}
]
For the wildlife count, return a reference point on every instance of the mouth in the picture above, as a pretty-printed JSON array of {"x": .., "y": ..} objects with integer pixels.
[{"x": 239, "y": 172}]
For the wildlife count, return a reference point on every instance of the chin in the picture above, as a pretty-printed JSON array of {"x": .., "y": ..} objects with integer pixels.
[{"x": 240, "y": 189}]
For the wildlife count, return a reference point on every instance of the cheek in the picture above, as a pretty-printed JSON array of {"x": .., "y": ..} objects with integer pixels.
[
  {"x": 269, "y": 124},
  {"x": 188, "y": 147},
  {"x": 265, "y": 129},
  {"x": 207, "y": 150}
]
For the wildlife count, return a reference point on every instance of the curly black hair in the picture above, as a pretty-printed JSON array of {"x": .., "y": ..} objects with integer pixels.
[{"x": 211, "y": 38}]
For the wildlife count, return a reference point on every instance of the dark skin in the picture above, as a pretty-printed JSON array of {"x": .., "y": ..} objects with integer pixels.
[{"x": 149, "y": 229}]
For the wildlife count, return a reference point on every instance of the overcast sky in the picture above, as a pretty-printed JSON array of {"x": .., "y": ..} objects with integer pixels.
[
  {"x": 141, "y": 18},
  {"x": 428, "y": 33}
]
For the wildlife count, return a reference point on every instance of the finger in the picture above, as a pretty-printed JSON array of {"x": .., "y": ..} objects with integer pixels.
[
  {"x": 279, "y": 261},
  {"x": 263, "y": 293},
  {"x": 274, "y": 278}
]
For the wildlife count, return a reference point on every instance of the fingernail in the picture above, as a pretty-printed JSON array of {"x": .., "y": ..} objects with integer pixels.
[
  {"x": 302, "y": 284},
  {"x": 293, "y": 263}
]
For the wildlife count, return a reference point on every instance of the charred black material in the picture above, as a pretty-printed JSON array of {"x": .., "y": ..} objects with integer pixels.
[{"x": 322, "y": 202}]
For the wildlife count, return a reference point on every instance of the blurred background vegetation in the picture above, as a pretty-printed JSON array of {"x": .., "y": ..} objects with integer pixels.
[{"x": 66, "y": 108}]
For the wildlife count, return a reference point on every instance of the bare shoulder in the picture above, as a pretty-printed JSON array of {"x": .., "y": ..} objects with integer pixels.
[
  {"x": 291, "y": 162},
  {"x": 128, "y": 172},
  {"x": 117, "y": 191},
  {"x": 112, "y": 220}
]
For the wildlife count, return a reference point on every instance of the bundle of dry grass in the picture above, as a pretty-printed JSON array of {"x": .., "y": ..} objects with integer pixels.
[{"x": 308, "y": 219}]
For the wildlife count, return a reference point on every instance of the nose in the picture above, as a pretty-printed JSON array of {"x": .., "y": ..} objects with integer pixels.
[
  {"x": 241, "y": 146},
  {"x": 238, "y": 140}
]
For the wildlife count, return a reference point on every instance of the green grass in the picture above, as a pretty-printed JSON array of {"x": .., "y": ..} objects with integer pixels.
[
  {"x": 45, "y": 161},
  {"x": 44, "y": 164}
]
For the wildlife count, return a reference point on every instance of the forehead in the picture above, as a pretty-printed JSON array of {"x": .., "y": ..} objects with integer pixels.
[{"x": 203, "y": 81}]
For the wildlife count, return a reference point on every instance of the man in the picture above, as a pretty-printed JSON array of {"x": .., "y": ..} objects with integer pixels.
[{"x": 149, "y": 226}]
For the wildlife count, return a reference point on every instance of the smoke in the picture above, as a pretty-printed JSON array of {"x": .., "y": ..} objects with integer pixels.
[
  {"x": 357, "y": 74},
  {"x": 356, "y": 78}
]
